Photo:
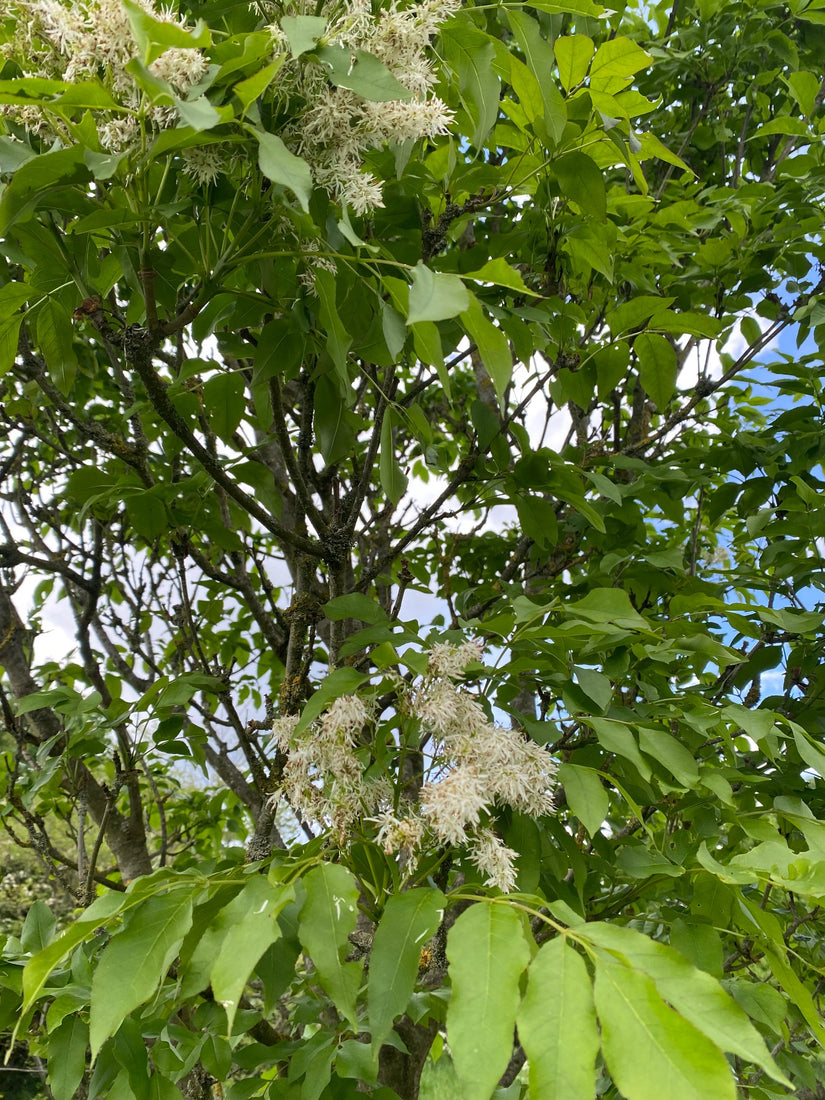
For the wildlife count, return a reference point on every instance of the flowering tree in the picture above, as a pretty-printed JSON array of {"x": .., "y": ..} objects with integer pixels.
[{"x": 414, "y": 409}]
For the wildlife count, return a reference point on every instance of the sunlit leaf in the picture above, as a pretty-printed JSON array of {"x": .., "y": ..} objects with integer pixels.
[
  {"x": 487, "y": 953},
  {"x": 557, "y": 1024}
]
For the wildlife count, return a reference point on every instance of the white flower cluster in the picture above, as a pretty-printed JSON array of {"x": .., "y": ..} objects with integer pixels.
[
  {"x": 337, "y": 126},
  {"x": 475, "y": 766},
  {"x": 323, "y": 778},
  {"x": 77, "y": 40},
  {"x": 309, "y": 250}
]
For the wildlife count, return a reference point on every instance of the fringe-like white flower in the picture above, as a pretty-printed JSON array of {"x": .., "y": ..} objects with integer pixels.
[
  {"x": 76, "y": 40},
  {"x": 323, "y": 778},
  {"x": 494, "y": 859},
  {"x": 455, "y": 804},
  {"x": 473, "y": 769},
  {"x": 451, "y": 660},
  {"x": 204, "y": 163},
  {"x": 337, "y": 127}
]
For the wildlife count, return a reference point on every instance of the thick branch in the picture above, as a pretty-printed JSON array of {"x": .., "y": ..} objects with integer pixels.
[{"x": 140, "y": 356}]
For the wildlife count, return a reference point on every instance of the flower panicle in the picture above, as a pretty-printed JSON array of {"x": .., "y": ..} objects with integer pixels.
[
  {"x": 473, "y": 769},
  {"x": 81, "y": 40}
]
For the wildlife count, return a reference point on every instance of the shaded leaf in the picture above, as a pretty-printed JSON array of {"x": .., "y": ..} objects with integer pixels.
[
  {"x": 470, "y": 54},
  {"x": 302, "y": 32},
  {"x": 362, "y": 73},
  {"x": 435, "y": 296},
  {"x": 393, "y": 478},
  {"x": 224, "y": 401},
  {"x": 493, "y": 345},
  {"x": 282, "y": 167},
  {"x": 68, "y": 1045},
  {"x": 585, "y": 794},
  {"x": 657, "y": 367},
  {"x": 327, "y": 917},
  {"x": 408, "y": 922},
  {"x": 582, "y": 182}
]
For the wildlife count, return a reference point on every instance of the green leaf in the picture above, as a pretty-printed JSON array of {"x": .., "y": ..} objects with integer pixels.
[
  {"x": 628, "y": 315},
  {"x": 393, "y": 478},
  {"x": 435, "y": 296},
  {"x": 254, "y": 86},
  {"x": 40, "y": 966},
  {"x": 615, "y": 63},
  {"x": 54, "y": 93},
  {"x": 488, "y": 953},
  {"x": 809, "y": 750},
  {"x": 607, "y": 605},
  {"x": 13, "y": 297},
  {"x": 155, "y": 36},
  {"x": 362, "y": 73},
  {"x": 586, "y": 795},
  {"x": 493, "y": 345},
  {"x": 618, "y": 737},
  {"x": 13, "y": 153},
  {"x": 526, "y": 87},
  {"x": 33, "y": 181},
  {"x": 254, "y": 929},
  {"x": 341, "y": 681},
  {"x": 339, "y": 340},
  {"x": 54, "y": 334},
  {"x": 284, "y": 168},
  {"x": 332, "y": 427},
  {"x": 355, "y": 605},
  {"x": 470, "y": 54},
  {"x": 564, "y": 7},
  {"x": 557, "y": 1025},
  {"x": 147, "y": 513},
  {"x": 660, "y": 746},
  {"x": 595, "y": 685},
  {"x": 804, "y": 87},
  {"x": 427, "y": 344},
  {"x": 695, "y": 994},
  {"x": 394, "y": 329},
  {"x": 799, "y": 994},
  {"x": 582, "y": 182},
  {"x": 38, "y": 928},
  {"x": 303, "y": 32},
  {"x": 327, "y": 917},
  {"x": 538, "y": 53},
  {"x": 135, "y": 961},
  {"x": 751, "y": 330},
  {"x": 224, "y": 401},
  {"x": 198, "y": 113},
  {"x": 408, "y": 922},
  {"x": 573, "y": 53},
  {"x": 657, "y": 367},
  {"x": 68, "y": 1044},
  {"x": 653, "y": 147},
  {"x": 500, "y": 273},
  {"x": 103, "y": 166},
  {"x": 538, "y": 520},
  {"x": 652, "y": 1052}
]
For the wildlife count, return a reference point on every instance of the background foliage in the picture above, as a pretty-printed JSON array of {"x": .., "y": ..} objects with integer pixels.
[{"x": 329, "y": 338}]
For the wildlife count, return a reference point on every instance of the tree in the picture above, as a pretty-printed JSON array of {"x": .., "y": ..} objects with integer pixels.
[{"x": 417, "y": 407}]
